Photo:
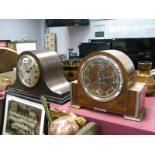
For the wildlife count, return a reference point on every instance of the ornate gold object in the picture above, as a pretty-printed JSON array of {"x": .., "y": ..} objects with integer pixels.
[
  {"x": 62, "y": 122},
  {"x": 65, "y": 125},
  {"x": 55, "y": 113},
  {"x": 144, "y": 75}
]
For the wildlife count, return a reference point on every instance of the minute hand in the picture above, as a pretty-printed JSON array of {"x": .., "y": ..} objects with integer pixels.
[
  {"x": 102, "y": 79},
  {"x": 108, "y": 77}
]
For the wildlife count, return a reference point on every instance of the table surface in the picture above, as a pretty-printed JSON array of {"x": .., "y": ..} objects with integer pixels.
[
  {"x": 116, "y": 124},
  {"x": 112, "y": 123},
  {"x": 2, "y": 94}
]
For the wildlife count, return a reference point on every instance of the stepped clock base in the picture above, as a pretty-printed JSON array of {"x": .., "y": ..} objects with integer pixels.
[{"x": 36, "y": 97}]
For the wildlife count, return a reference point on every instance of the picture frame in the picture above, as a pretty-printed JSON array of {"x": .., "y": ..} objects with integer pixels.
[
  {"x": 25, "y": 46},
  {"x": 23, "y": 117}
]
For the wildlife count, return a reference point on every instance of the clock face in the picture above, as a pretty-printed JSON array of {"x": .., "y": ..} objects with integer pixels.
[
  {"x": 101, "y": 78},
  {"x": 28, "y": 71}
]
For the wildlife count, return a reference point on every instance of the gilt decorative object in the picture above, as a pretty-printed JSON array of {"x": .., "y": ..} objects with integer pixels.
[
  {"x": 62, "y": 122},
  {"x": 65, "y": 125}
]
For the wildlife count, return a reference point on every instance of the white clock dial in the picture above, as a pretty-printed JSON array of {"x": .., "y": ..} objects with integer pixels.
[{"x": 28, "y": 71}]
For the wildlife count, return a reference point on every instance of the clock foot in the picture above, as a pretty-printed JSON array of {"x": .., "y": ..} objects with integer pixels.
[
  {"x": 75, "y": 106},
  {"x": 138, "y": 119}
]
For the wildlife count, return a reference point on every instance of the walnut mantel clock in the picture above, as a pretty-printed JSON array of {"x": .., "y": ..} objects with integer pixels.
[
  {"x": 106, "y": 83},
  {"x": 39, "y": 72}
]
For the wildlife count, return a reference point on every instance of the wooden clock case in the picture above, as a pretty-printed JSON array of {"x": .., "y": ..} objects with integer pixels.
[
  {"x": 131, "y": 100},
  {"x": 52, "y": 83}
]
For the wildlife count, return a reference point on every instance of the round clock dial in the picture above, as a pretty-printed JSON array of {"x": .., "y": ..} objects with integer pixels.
[
  {"x": 28, "y": 71},
  {"x": 101, "y": 78}
]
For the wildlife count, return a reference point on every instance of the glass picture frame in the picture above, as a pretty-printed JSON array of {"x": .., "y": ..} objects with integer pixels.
[
  {"x": 23, "y": 117},
  {"x": 25, "y": 46}
]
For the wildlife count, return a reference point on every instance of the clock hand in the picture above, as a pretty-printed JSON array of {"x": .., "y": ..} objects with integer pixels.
[
  {"x": 30, "y": 68},
  {"x": 25, "y": 67},
  {"x": 108, "y": 77},
  {"x": 101, "y": 80}
]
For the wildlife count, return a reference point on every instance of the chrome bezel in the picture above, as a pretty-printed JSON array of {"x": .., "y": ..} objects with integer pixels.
[{"x": 119, "y": 73}]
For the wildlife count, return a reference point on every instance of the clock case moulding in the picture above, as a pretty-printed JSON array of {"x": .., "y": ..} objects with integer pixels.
[
  {"x": 52, "y": 83},
  {"x": 130, "y": 102}
]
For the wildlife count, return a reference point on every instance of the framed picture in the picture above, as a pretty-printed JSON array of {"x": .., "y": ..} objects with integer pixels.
[
  {"x": 23, "y": 117},
  {"x": 25, "y": 46}
]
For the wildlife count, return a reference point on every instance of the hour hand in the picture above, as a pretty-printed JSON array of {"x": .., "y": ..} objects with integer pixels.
[{"x": 108, "y": 77}]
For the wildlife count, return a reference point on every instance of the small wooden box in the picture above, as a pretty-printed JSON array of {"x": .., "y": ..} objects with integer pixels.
[{"x": 89, "y": 129}]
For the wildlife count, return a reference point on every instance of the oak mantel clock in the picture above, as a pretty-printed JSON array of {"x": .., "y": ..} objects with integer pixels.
[
  {"x": 39, "y": 72},
  {"x": 106, "y": 83}
]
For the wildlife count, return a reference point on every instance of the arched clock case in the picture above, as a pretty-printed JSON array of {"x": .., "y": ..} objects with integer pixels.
[
  {"x": 106, "y": 83},
  {"x": 39, "y": 72}
]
